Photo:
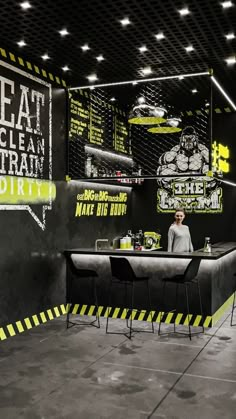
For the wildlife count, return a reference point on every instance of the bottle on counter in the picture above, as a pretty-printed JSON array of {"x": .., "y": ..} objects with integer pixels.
[
  {"x": 141, "y": 237},
  {"x": 207, "y": 245},
  {"x": 128, "y": 242},
  {"x": 88, "y": 166},
  {"x": 123, "y": 243}
]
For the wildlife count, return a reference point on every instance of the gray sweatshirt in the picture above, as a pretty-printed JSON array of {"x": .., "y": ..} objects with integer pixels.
[{"x": 179, "y": 239}]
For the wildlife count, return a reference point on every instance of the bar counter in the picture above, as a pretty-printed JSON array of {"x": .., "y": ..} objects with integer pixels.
[{"x": 215, "y": 274}]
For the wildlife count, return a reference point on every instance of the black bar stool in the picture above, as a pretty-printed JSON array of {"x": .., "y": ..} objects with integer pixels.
[
  {"x": 187, "y": 278},
  {"x": 123, "y": 274},
  {"x": 233, "y": 307},
  {"x": 74, "y": 273}
]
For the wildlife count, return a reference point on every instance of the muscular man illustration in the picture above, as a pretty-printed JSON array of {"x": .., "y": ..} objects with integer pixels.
[{"x": 189, "y": 156}]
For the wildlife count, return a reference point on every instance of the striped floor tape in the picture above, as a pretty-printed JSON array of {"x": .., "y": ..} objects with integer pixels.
[
  {"x": 114, "y": 312},
  {"x": 29, "y": 322}
]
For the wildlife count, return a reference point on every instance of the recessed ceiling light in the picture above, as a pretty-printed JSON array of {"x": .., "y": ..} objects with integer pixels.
[
  {"x": 21, "y": 43},
  {"x": 112, "y": 99},
  {"x": 100, "y": 58},
  {"x": 85, "y": 47},
  {"x": 25, "y": 5},
  {"x": 230, "y": 36},
  {"x": 226, "y": 4},
  {"x": 231, "y": 60},
  {"x": 45, "y": 57},
  {"x": 92, "y": 77},
  {"x": 125, "y": 21},
  {"x": 184, "y": 12},
  {"x": 159, "y": 36},
  {"x": 64, "y": 32},
  {"x": 143, "y": 48},
  {"x": 194, "y": 90},
  {"x": 146, "y": 71},
  {"x": 65, "y": 68},
  {"x": 189, "y": 48}
]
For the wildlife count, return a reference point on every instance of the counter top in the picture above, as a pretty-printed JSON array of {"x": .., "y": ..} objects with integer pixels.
[{"x": 218, "y": 250}]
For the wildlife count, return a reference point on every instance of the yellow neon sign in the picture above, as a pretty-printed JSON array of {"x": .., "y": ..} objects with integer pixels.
[{"x": 220, "y": 155}]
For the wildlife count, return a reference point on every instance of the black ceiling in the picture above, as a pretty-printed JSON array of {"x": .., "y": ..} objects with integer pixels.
[{"x": 96, "y": 22}]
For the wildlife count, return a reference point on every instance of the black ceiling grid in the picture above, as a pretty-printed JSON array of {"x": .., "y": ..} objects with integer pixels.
[{"x": 97, "y": 23}]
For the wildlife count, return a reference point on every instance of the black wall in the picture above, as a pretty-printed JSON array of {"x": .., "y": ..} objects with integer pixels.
[{"x": 32, "y": 267}]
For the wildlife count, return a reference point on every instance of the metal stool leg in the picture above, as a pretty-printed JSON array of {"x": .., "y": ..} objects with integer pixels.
[
  {"x": 176, "y": 300},
  {"x": 131, "y": 313},
  {"x": 150, "y": 305},
  {"x": 96, "y": 303},
  {"x": 126, "y": 304},
  {"x": 200, "y": 302},
  {"x": 163, "y": 312},
  {"x": 68, "y": 307},
  {"x": 232, "y": 312},
  {"x": 189, "y": 328},
  {"x": 109, "y": 305}
]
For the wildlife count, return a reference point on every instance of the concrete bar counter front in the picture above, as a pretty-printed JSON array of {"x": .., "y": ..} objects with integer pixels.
[{"x": 215, "y": 275}]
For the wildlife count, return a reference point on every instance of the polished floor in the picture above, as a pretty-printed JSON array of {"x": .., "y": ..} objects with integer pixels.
[{"x": 53, "y": 373}]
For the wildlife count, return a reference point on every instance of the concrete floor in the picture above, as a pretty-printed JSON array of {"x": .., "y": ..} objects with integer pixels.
[{"x": 53, "y": 373}]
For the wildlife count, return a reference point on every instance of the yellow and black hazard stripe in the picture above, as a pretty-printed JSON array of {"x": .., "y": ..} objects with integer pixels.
[
  {"x": 194, "y": 320},
  {"x": 32, "y": 321},
  {"x": 216, "y": 110},
  {"x": 142, "y": 315},
  {"x": 28, "y": 66}
]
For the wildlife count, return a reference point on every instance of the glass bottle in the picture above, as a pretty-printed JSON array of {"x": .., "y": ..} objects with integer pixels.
[
  {"x": 207, "y": 245},
  {"x": 88, "y": 166}
]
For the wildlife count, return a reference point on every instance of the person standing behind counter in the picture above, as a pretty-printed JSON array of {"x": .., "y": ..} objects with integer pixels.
[{"x": 179, "y": 238}]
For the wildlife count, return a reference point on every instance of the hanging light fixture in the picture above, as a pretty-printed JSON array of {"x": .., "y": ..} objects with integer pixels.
[
  {"x": 172, "y": 126},
  {"x": 144, "y": 114}
]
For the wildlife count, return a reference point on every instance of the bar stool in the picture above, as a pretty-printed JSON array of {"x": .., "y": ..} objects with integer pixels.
[
  {"x": 233, "y": 307},
  {"x": 123, "y": 274},
  {"x": 72, "y": 273},
  {"x": 187, "y": 278}
]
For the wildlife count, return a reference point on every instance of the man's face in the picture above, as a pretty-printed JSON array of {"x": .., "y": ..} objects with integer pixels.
[{"x": 188, "y": 142}]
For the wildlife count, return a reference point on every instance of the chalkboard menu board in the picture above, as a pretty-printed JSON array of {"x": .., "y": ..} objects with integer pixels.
[
  {"x": 99, "y": 137},
  {"x": 79, "y": 117}
]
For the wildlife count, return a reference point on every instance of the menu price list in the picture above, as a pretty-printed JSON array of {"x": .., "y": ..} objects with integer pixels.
[
  {"x": 121, "y": 141},
  {"x": 79, "y": 118},
  {"x": 92, "y": 121}
]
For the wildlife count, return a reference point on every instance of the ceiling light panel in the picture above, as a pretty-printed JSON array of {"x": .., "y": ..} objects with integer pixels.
[
  {"x": 143, "y": 49},
  {"x": 159, "y": 36},
  {"x": 184, "y": 12},
  {"x": 92, "y": 78},
  {"x": 45, "y": 57},
  {"x": 230, "y": 36},
  {"x": 125, "y": 21},
  {"x": 231, "y": 60},
  {"x": 100, "y": 58},
  {"x": 189, "y": 48},
  {"x": 25, "y": 5},
  {"x": 63, "y": 32},
  {"x": 65, "y": 68},
  {"x": 227, "y": 4},
  {"x": 85, "y": 47},
  {"x": 21, "y": 43},
  {"x": 95, "y": 24}
]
